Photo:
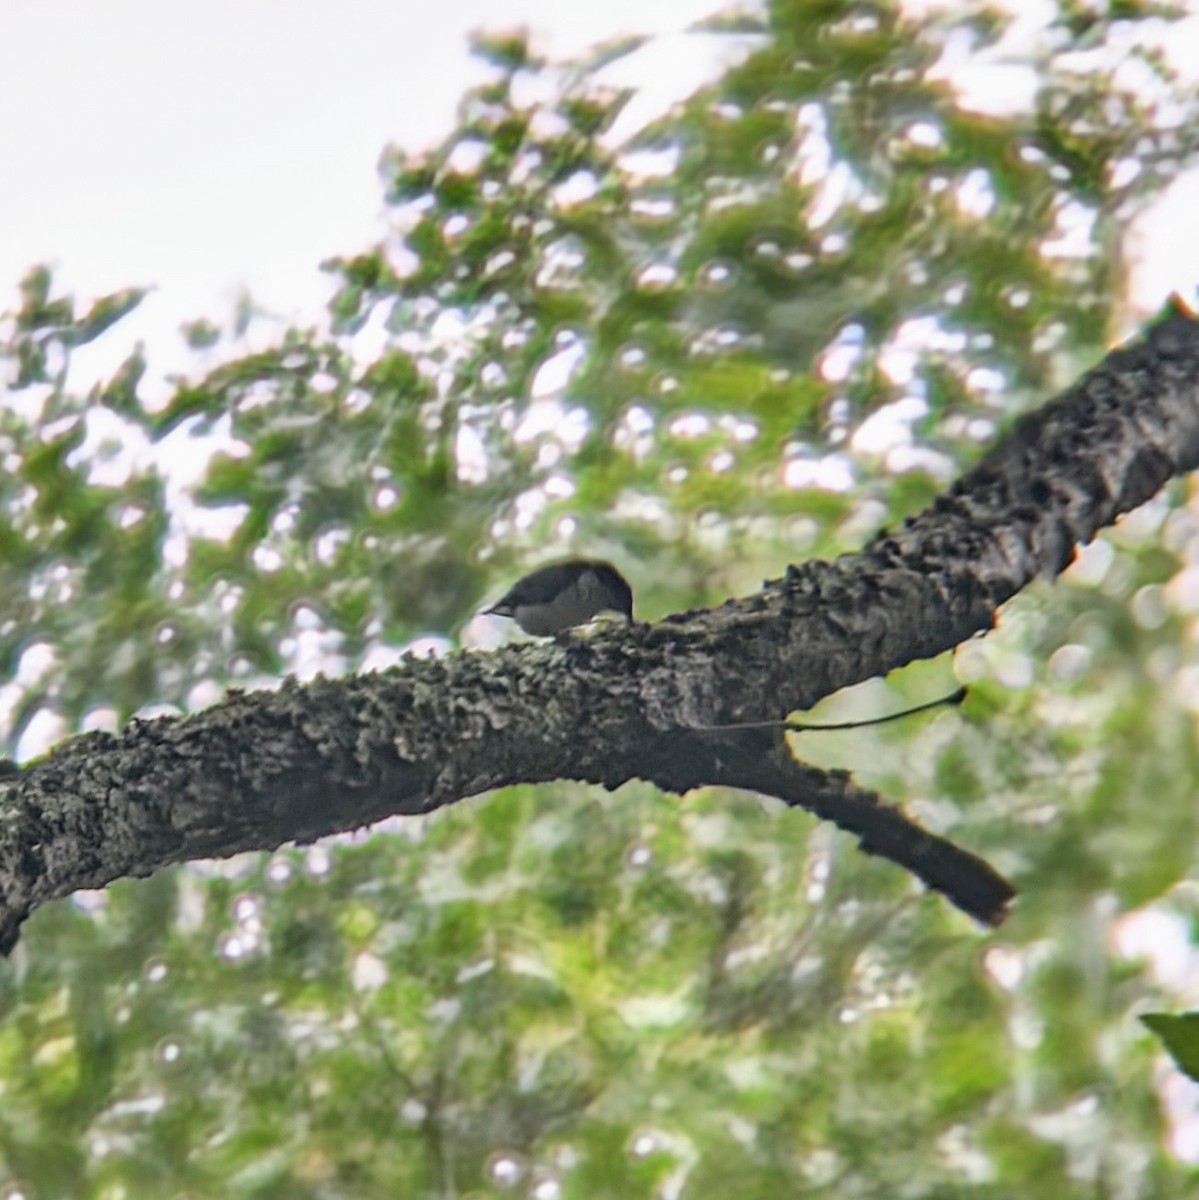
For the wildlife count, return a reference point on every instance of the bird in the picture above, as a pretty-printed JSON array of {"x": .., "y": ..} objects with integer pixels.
[{"x": 559, "y": 596}]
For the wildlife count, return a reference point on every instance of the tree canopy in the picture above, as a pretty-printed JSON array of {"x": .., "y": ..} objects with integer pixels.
[{"x": 727, "y": 345}]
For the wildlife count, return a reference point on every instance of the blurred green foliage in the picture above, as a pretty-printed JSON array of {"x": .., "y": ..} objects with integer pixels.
[{"x": 758, "y": 328}]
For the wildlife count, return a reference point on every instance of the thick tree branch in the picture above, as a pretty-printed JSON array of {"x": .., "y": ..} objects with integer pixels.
[{"x": 259, "y": 770}]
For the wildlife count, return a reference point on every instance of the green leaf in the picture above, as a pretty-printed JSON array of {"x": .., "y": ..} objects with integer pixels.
[
  {"x": 1179, "y": 1033},
  {"x": 105, "y": 313}
]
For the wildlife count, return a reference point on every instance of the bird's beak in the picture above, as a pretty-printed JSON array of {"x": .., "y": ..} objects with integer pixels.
[{"x": 498, "y": 610}]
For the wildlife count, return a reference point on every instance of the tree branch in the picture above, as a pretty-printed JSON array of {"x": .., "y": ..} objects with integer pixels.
[{"x": 261, "y": 769}]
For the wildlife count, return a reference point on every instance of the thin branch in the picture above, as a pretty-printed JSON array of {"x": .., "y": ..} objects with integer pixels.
[
  {"x": 955, "y": 697},
  {"x": 762, "y": 762}
]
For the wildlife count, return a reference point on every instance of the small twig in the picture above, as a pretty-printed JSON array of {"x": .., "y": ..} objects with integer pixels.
[{"x": 953, "y": 698}]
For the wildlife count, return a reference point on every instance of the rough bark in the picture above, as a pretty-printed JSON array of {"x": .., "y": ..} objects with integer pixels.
[{"x": 265, "y": 768}]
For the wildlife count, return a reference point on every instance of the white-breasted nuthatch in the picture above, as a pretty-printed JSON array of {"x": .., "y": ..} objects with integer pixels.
[{"x": 562, "y": 595}]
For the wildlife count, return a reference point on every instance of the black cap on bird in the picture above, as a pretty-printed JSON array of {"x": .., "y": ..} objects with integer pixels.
[{"x": 562, "y": 595}]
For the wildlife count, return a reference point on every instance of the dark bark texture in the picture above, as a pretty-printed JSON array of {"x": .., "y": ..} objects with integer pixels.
[{"x": 261, "y": 769}]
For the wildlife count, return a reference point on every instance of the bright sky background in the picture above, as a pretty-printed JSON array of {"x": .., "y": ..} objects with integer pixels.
[
  {"x": 219, "y": 145},
  {"x": 207, "y": 147}
]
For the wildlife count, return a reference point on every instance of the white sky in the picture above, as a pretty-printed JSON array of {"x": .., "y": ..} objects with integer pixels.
[
  {"x": 209, "y": 146},
  {"x": 206, "y": 147}
]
